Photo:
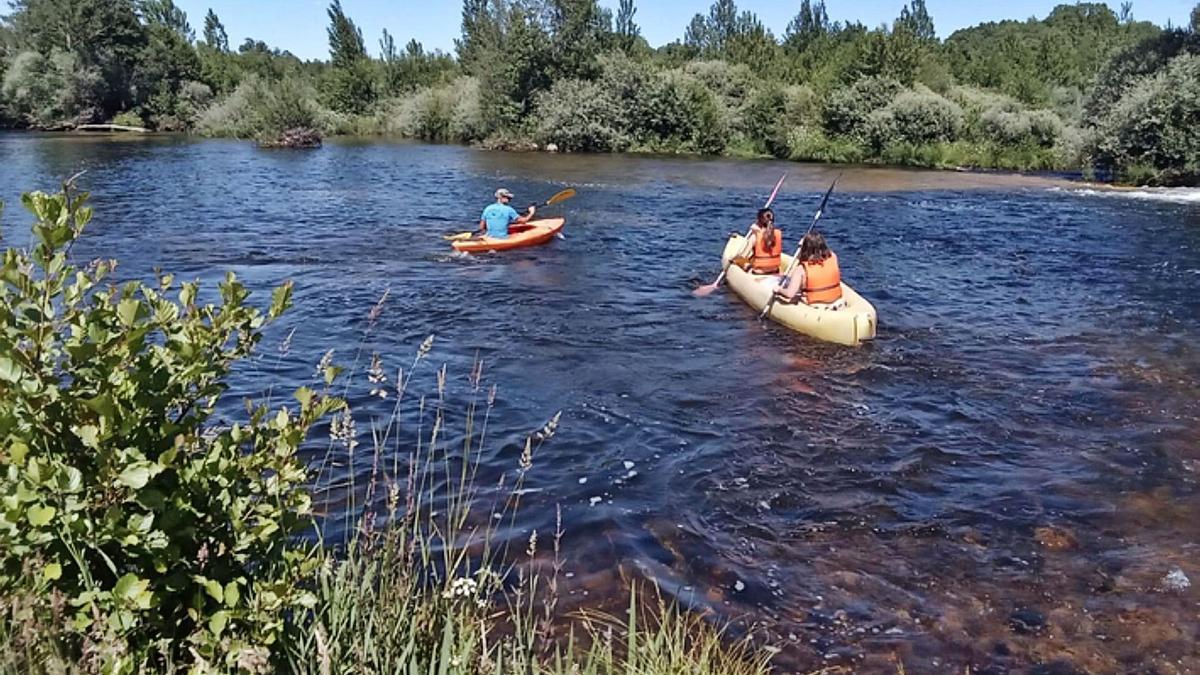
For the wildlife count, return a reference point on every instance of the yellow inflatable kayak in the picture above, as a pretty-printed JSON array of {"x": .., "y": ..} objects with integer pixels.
[{"x": 850, "y": 324}]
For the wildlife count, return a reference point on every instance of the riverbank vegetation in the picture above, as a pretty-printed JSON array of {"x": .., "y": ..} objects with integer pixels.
[
  {"x": 1086, "y": 88},
  {"x": 149, "y": 524}
]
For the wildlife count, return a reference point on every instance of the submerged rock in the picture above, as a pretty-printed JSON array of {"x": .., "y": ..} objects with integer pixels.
[
  {"x": 1176, "y": 580},
  {"x": 294, "y": 138}
]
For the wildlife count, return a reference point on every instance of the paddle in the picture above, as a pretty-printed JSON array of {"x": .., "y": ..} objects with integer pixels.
[
  {"x": 558, "y": 197},
  {"x": 796, "y": 256},
  {"x": 705, "y": 291}
]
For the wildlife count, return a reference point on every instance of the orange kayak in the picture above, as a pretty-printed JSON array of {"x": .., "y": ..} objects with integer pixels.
[{"x": 533, "y": 233}]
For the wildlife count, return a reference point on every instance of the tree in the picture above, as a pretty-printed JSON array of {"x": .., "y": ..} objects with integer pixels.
[
  {"x": 809, "y": 24},
  {"x": 481, "y": 35},
  {"x": 1196, "y": 18},
  {"x": 166, "y": 14},
  {"x": 915, "y": 19},
  {"x": 627, "y": 30},
  {"x": 580, "y": 30},
  {"x": 346, "y": 46},
  {"x": 103, "y": 35},
  {"x": 214, "y": 32},
  {"x": 348, "y": 87}
]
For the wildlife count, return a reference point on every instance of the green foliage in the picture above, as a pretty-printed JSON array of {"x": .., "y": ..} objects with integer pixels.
[
  {"x": 451, "y": 112},
  {"x": 349, "y": 86},
  {"x": 1029, "y": 59},
  {"x": 104, "y": 36},
  {"x": 847, "y": 110},
  {"x": 214, "y": 32},
  {"x": 50, "y": 92},
  {"x": 264, "y": 110},
  {"x": 129, "y": 516},
  {"x": 1154, "y": 126},
  {"x": 916, "y": 118}
]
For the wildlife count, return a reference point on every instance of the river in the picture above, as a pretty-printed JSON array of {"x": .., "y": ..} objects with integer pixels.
[{"x": 1005, "y": 480}]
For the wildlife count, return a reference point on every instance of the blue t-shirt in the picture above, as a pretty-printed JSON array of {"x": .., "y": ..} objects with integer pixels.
[{"x": 498, "y": 217}]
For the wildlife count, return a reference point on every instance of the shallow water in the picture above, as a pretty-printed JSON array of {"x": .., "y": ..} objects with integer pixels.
[{"x": 1003, "y": 480}]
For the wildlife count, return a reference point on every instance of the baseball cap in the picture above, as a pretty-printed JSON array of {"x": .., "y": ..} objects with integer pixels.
[{"x": 503, "y": 192}]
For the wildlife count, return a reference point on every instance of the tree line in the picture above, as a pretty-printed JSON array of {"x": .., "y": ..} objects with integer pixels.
[{"x": 1085, "y": 88}]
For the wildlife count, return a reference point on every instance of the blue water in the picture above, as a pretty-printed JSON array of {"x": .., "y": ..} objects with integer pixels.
[{"x": 1035, "y": 368}]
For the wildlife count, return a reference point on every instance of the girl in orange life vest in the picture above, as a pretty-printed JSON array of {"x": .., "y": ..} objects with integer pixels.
[
  {"x": 816, "y": 278},
  {"x": 766, "y": 244}
]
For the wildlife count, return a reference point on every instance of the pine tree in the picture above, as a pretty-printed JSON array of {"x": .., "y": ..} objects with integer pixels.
[
  {"x": 626, "y": 29},
  {"x": 214, "y": 32},
  {"x": 809, "y": 24}
]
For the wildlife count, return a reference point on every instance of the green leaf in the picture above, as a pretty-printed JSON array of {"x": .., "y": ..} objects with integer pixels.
[
  {"x": 17, "y": 452},
  {"x": 39, "y": 515},
  {"x": 232, "y": 595},
  {"x": 218, "y": 622},
  {"x": 135, "y": 590},
  {"x": 214, "y": 589},
  {"x": 281, "y": 300},
  {"x": 305, "y": 396},
  {"x": 52, "y": 572},
  {"x": 89, "y": 434},
  {"x": 9, "y": 371},
  {"x": 135, "y": 476},
  {"x": 127, "y": 311}
]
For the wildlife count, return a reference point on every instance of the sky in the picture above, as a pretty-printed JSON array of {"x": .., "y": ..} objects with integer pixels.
[{"x": 299, "y": 25}]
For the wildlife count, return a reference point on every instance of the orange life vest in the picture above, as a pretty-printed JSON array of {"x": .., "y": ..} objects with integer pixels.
[
  {"x": 822, "y": 280},
  {"x": 766, "y": 259}
]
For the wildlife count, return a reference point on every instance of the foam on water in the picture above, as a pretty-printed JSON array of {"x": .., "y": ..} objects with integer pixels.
[{"x": 1170, "y": 195}]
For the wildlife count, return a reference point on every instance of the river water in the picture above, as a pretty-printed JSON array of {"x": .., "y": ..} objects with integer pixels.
[{"x": 1005, "y": 480}]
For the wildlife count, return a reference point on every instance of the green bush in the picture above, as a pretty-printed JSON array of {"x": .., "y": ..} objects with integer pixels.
[
  {"x": 847, "y": 110},
  {"x": 450, "y": 112},
  {"x": 133, "y": 524},
  {"x": 50, "y": 92},
  {"x": 129, "y": 118},
  {"x": 918, "y": 118},
  {"x": 1155, "y": 124},
  {"x": 807, "y": 143},
  {"x": 259, "y": 109},
  {"x": 578, "y": 116}
]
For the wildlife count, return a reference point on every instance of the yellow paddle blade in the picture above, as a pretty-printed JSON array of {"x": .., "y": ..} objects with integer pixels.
[
  {"x": 457, "y": 237},
  {"x": 561, "y": 196}
]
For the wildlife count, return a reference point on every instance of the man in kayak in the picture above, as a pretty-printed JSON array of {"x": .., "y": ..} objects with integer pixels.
[
  {"x": 497, "y": 217},
  {"x": 816, "y": 279}
]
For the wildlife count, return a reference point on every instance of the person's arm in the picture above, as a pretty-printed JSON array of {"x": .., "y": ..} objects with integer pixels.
[
  {"x": 795, "y": 283},
  {"x": 521, "y": 220},
  {"x": 482, "y": 225}
]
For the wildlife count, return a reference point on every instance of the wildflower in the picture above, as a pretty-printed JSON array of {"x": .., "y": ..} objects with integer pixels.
[
  {"x": 324, "y": 363},
  {"x": 527, "y": 456},
  {"x": 342, "y": 428},
  {"x": 462, "y": 587},
  {"x": 376, "y": 377},
  {"x": 377, "y": 310},
  {"x": 532, "y": 544},
  {"x": 427, "y": 345},
  {"x": 286, "y": 345},
  {"x": 547, "y": 431}
]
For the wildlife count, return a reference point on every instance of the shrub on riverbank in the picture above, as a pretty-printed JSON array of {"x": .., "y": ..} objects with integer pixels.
[{"x": 140, "y": 534}]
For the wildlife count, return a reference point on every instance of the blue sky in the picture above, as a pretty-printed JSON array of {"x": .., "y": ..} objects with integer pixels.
[{"x": 299, "y": 25}]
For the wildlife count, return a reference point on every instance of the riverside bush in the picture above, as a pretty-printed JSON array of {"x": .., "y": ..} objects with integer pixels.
[
  {"x": 135, "y": 529},
  {"x": 578, "y": 116},
  {"x": 1153, "y": 130},
  {"x": 449, "y": 112},
  {"x": 49, "y": 92},
  {"x": 916, "y": 118},
  {"x": 264, "y": 110},
  {"x": 847, "y": 110}
]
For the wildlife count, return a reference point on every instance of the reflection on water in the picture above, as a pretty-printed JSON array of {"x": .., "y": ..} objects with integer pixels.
[{"x": 1005, "y": 479}]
